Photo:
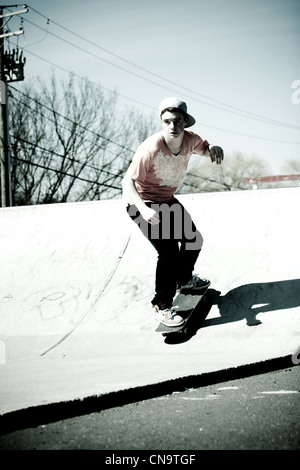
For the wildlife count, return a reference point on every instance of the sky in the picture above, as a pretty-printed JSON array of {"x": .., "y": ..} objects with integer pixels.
[{"x": 232, "y": 61}]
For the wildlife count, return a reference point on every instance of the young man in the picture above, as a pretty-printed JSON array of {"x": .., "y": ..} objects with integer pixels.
[{"x": 154, "y": 175}]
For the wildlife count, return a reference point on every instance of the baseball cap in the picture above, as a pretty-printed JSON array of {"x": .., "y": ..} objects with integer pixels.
[{"x": 174, "y": 102}]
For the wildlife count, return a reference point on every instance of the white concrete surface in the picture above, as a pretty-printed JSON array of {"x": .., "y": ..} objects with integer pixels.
[{"x": 77, "y": 280}]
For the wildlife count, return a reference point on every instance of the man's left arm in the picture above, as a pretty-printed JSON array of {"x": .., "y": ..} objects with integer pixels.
[
  {"x": 202, "y": 147},
  {"x": 215, "y": 153}
]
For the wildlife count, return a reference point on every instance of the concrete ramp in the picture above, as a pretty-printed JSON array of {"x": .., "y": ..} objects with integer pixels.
[{"x": 76, "y": 283}]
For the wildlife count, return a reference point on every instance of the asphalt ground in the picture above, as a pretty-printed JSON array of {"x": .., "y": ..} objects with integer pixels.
[{"x": 261, "y": 412}]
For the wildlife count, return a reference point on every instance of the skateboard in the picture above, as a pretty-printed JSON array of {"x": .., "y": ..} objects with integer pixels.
[{"x": 185, "y": 303}]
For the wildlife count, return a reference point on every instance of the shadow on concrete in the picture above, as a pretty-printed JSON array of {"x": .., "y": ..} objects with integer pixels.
[
  {"x": 244, "y": 302},
  {"x": 247, "y": 301}
]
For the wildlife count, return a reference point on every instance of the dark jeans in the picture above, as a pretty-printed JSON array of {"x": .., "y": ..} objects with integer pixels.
[{"x": 177, "y": 242}]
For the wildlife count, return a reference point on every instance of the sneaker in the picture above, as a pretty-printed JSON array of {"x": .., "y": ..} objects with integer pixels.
[
  {"x": 195, "y": 283},
  {"x": 167, "y": 316}
]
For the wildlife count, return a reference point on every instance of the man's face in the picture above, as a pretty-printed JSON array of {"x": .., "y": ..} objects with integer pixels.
[{"x": 173, "y": 124}]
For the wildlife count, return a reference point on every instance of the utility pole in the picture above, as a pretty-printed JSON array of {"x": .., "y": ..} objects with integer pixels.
[{"x": 11, "y": 69}]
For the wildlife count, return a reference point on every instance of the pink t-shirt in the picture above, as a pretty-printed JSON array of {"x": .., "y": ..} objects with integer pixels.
[{"x": 158, "y": 173}]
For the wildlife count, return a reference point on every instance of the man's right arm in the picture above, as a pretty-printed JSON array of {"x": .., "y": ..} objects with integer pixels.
[{"x": 131, "y": 194}]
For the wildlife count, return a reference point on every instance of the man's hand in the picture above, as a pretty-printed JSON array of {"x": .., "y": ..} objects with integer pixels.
[
  {"x": 216, "y": 154},
  {"x": 150, "y": 215}
]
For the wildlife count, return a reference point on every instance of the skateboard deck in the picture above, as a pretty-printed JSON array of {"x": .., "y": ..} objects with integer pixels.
[{"x": 185, "y": 304}]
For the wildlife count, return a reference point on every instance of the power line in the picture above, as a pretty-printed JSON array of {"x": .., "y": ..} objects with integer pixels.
[
  {"x": 74, "y": 160},
  {"x": 258, "y": 117},
  {"x": 254, "y": 116},
  {"x": 249, "y": 135},
  {"x": 219, "y": 104},
  {"x": 84, "y": 78},
  {"x": 154, "y": 109},
  {"x": 199, "y": 122},
  {"x": 65, "y": 173},
  {"x": 105, "y": 149},
  {"x": 123, "y": 147}
]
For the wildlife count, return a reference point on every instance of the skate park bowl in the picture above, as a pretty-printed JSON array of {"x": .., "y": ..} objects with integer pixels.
[{"x": 77, "y": 281}]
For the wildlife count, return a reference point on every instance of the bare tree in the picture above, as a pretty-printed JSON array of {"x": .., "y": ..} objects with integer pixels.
[
  {"x": 204, "y": 177},
  {"x": 291, "y": 167},
  {"x": 70, "y": 142}
]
